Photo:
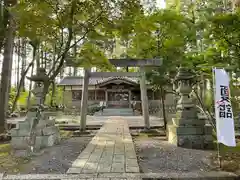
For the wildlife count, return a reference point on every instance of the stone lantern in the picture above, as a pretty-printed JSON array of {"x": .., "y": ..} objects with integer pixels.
[
  {"x": 187, "y": 129},
  {"x": 38, "y": 90},
  {"x": 38, "y": 130}
]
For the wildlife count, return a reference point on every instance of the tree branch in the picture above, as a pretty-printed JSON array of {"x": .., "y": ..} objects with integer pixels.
[
  {"x": 62, "y": 42},
  {"x": 70, "y": 36},
  {"x": 22, "y": 81},
  {"x": 69, "y": 46},
  {"x": 229, "y": 42}
]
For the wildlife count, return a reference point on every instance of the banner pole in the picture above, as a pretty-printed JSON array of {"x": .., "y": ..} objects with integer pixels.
[{"x": 218, "y": 144}]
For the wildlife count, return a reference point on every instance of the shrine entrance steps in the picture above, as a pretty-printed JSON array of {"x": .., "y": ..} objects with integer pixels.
[
  {"x": 110, "y": 151},
  {"x": 116, "y": 112}
]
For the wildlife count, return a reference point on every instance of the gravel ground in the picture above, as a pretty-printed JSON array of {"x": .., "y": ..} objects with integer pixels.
[
  {"x": 57, "y": 159},
  {"x": 156, "y": 155}
]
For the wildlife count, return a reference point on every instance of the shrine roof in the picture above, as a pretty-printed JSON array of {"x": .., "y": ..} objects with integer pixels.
[{"x": 78, "y": 80}]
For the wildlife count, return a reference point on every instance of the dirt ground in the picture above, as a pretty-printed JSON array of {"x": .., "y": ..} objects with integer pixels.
[
  {"x": 156, "y": 155},
  {"x": 56, "y": 159}
]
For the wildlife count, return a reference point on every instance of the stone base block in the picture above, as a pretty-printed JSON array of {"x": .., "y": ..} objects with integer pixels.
[
  {"x": 20, "y": 143},
  {"x": 21, "y": 153},
  {"x": 24, "y": 124},
  {"x": 208, "y": 130},
  {"x": 190, "y": 122},
  {"x": 190, "y": 113},
  {"x": 190, "y": 137},
  {"x": 208, "y": 142},
  {"x": 45, "y": 123},
  {"x": 50, "y": 130},
  {"x": 17, "y": 132},
  {"x": 186, "y": 130}
]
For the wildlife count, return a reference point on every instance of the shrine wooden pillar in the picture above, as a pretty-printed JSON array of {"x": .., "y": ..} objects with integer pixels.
[{"x": 106, "y": 97}]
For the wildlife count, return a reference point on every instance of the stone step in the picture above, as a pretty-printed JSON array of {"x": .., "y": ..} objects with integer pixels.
[{"x": 116, "y": 112}]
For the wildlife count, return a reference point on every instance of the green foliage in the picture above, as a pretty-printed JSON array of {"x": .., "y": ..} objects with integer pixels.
[
  {"x": 199, "y": 35},
  {"x": 162, "y": 34},
  {"x": 196, "y": 34},
  {"x": 22, "y": 100},
  {"x": 235, "y": 93},
  {"x": 95, "y": 24},
  {"x": 92, "y": 109},
  {"x": 224, "y": 32},
  {"x": 91, "y": 55},
  {"x": 57, "y": 99},
  {"x": 12, "y": 95}
]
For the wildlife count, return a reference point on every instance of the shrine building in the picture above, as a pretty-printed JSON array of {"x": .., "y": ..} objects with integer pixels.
[{"x": 115, "y": 91}]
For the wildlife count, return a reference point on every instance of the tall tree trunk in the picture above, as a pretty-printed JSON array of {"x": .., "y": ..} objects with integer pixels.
[
  {"x": 42, "y": 55},
  {"x": 45, "y": 57},
  {"x": 212, "y": 110},
  {"x": 20, "y": 85},
  {"x": 24, "y": 59},
  {"x": 38, "y": 63},
  {"x": 53, "y": 94},
  {"x": 18, "y": 61},
  {"x": 4, "y": 16},
  {"x": 62, "y": 72},
  {"x": 162, "y": 94},
  {"x": 30, "y": 88},
  {"x": 6, "y": 73}
]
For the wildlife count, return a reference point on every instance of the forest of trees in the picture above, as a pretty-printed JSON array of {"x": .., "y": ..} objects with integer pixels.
[{"x": 47, "y": 33}]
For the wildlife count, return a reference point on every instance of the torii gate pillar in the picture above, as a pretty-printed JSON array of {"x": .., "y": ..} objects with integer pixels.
[
  {"x": 144, "y": 98},
  {"x": 84, "y": 101}
]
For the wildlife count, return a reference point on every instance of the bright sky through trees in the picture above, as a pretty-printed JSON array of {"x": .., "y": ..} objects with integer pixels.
[{"x": 161, "y": 4}]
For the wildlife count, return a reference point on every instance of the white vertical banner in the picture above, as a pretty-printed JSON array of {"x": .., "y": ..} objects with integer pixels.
[{"x": 223, "y": 109}]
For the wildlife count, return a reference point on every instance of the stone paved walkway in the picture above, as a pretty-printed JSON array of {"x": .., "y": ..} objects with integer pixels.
[{"x": 110, "y": 151}]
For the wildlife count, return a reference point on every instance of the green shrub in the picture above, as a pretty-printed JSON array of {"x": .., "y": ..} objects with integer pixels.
[{"x": 92, "y": 109}]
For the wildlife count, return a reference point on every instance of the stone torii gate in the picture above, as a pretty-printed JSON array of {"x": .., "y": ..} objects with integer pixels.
[{"x": 141, "y": 63}]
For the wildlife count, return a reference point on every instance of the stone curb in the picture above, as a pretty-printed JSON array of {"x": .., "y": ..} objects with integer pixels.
[{"x": 190, "y": 175}]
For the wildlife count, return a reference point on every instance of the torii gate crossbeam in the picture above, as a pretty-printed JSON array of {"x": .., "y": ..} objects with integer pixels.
[{"x": 141, "y": 63}]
